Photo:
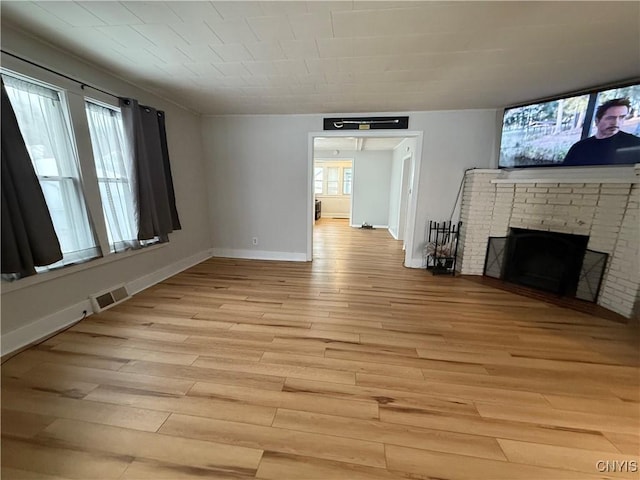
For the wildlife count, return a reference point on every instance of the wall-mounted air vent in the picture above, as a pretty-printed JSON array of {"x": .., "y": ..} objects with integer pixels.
[{"x": 108, "y": 299}]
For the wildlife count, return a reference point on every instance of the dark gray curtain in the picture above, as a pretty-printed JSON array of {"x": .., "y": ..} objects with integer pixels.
[
  {"x": 153, "y": 185},
  {"x": 175, "y": 221},
  {"x": 28, "y": 237}
]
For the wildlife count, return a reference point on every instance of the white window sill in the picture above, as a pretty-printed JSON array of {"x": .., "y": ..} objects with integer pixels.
[{"x": 38, "y": 278}]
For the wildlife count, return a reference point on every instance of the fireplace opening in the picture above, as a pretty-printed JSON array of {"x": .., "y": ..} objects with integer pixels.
[
  {"x": 547, "y": 261},
  {"x": 556, "y": 263}
]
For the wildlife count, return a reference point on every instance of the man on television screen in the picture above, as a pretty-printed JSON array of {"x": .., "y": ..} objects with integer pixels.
[{"x": 609, "y": 145}]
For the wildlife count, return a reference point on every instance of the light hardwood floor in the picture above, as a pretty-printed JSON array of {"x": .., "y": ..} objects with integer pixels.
[{"x": 349, "y": 367}]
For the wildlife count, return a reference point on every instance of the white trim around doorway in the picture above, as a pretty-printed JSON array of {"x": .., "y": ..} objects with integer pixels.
[{"x": 413, "y": 205}]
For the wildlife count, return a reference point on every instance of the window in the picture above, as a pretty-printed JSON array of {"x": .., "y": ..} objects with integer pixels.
[
  {"x": 333, "y": 177},
  {"x": 42, "y": 118},
  {"x": 333, "y": 174},
  {"x": 114, "y": 170},
  {"x": 81, "y": 158},
  {"x": 346, "y": 181},
  {"x": 318, "y": 179}
]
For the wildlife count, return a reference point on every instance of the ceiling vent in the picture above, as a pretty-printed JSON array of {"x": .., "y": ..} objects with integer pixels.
[{"x": 108, "y": 299}]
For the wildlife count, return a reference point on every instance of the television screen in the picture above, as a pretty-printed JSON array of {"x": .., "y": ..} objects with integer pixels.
[{"x": 601, "y": 127}]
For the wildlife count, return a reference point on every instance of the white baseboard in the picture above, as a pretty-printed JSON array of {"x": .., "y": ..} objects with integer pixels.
[
  {"x": 393, "y": 233},
  {"x": 416, "y": 263},
  {"x": 37, "y": 331},
  {"x": 46, "y": 326},
  {"x": 141, "y": 283},
  {"x": 259, "y": 255}
]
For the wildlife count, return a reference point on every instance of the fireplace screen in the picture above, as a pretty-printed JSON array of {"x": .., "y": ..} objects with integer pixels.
[
  {"x": 591, "y": 274},
  {"x": 547, "y": 261},
  {"x": 494, "y": 261}
]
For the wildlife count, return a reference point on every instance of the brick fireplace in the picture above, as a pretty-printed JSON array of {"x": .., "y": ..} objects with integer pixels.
[{"x": 597, "y": 205}]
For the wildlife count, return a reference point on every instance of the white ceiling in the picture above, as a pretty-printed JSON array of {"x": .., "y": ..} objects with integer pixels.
[{"x": 346, "y": 56}]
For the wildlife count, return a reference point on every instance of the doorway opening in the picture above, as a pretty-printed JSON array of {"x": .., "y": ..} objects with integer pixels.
[
  {"x": 332, "y": 186},
  {"x": 380, "y": 170}
]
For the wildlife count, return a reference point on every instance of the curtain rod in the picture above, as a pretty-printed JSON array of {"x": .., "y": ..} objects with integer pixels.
[{"x": 82, "y": 84}]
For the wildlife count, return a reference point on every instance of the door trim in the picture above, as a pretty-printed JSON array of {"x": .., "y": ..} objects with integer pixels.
[{"x": 413, "y": 206}]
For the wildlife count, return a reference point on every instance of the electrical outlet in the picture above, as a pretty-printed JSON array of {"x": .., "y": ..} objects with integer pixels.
[{"x": 255, "y": 240}]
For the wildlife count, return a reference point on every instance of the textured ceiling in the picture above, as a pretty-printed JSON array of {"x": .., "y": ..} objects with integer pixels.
[{"x": 328, "y": 57}]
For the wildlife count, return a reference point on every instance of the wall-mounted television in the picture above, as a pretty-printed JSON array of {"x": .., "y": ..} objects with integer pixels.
[{"x": 599, "y": 127}]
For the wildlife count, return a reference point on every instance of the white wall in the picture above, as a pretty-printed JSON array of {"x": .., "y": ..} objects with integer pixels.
[
  {"x": 395, "y": 180},
  {"x": 454, "y": 141},
  {"x": 257, "y": 173},
  {"x": 371, "y": 187},
  {"x": 333, "y": 206},
  {"x": 258, "y": 164},
  {"x": 36, "y": 303},
  {"x": 371, "y": 172}
]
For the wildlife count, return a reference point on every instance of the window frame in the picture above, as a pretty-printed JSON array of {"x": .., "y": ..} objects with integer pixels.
[
  {"x": 349, "y": 182},
  {"x": 341, "y": 165},
  {"x": 74, "y": 95},
  {"x": 128, "y": 181},
  {"x": 316, "y": 180},
  {"x": 333, "y": 181},
  {"x": 77, "y": 187}
]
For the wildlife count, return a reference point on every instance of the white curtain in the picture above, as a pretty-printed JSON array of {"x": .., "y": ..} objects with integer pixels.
[
  {"x": 44, "y": 127},
  {"x": 114, "y": 169},
  {"x": 28, "y": 237}
]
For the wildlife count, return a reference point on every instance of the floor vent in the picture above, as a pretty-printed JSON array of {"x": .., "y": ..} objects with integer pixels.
[{"x": 108, "y": 299}]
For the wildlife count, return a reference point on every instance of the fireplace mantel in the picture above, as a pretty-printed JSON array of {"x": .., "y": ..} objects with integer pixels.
[{"x": 564, "y": 180}]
